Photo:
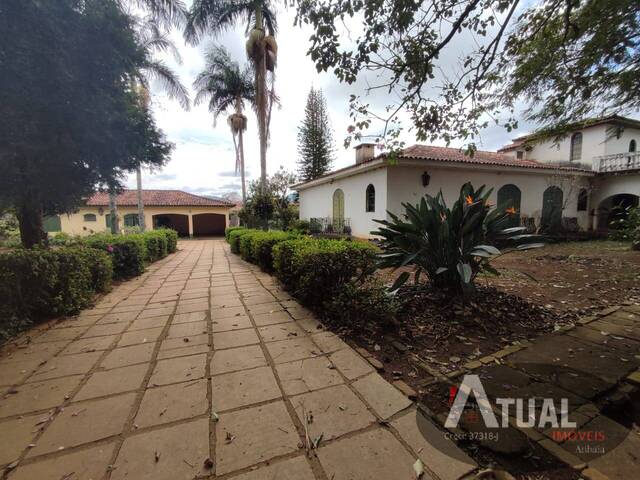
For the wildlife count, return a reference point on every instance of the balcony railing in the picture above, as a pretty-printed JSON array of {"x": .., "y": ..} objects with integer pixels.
[
  {"x": 617, "y": 162},
  {"x": 327, "y": 225}
]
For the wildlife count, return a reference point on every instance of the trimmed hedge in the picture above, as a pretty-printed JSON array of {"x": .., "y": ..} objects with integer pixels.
[
  {"x": 42, "y": 283},
  {"x": 315, "y": 270},
  {"x": 256, "y": 246},
  {"x": 128, "y": 252},
  {"x": 228, "y": 231},
  {"x": 234, "y": 238},
  {"x": 156, "y": 245},
  {"x": 172, "y": 239},
  {"x": 131, "y": 252}
]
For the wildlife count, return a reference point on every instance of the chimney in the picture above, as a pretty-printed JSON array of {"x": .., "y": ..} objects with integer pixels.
[{"x": 365, "y": 152}]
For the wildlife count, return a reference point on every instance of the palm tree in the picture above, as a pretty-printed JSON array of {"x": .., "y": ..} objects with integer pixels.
[
  {"x": 215, "y": 16},
  {"x": 226, "y": 87},
  {"x": 154, "y": 40}
]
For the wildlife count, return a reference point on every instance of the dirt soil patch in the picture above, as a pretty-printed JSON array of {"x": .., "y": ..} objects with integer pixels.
[{"x": 572, "y": 279}]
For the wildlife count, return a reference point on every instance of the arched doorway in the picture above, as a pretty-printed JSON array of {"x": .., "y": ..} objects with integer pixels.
[
  {"x": 615, "y": 208},
  {"x": 509, "y": 197},
  {"x": 338, "y": 209},
  {"x": 175, "y": 221},
  {"x": 551, "y": 220},
  {"x": 209, "y": 224}
]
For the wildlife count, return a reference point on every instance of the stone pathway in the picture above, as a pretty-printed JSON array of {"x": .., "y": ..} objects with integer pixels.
[
  {"x": 595, "y": 366},
  {"x": 203, "y": 367}
]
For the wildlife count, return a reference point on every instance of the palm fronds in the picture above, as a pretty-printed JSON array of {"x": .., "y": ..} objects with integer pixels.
[
  {"x": 169, "y": 81},
  {"x": 223, "y": 83},
  {"x": 165, "y": 12}
]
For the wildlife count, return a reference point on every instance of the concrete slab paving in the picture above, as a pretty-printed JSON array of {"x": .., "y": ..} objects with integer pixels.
[
  {"x": 231, "y": 361},
  {"x": 89, "y": 464}
]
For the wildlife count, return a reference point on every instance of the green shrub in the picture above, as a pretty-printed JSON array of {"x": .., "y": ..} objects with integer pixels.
[
  {"x": 301, "y": 226},
  {"x": 43, "y": 283},
  {"x": 234, "y": 238},
  {"x": 356, "y": 304},
  {"x": 256, "y": 246},
  {"x": 172, "y": 239},
  {"x": 245, "y": 245},
  {"x": 626, "y": 226},
  {"x": 448, "y": 245},
  {"x": 101, "y": 268},
  {"x": 128, "y": 252},
  {"x": 228, "y": 231},
  {"x": 316, "y": 269},
  {"x": 156, "y": 245}
]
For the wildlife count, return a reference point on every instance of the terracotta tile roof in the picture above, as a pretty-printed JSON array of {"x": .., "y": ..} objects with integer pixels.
[
  {"x": 454, "y": 155},
  {"x": 445, "y": 154},
  {"x": 160, "y": 198}
]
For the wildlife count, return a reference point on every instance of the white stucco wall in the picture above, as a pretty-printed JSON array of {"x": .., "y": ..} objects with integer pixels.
[
  {"x": 596, "y": 141},
  {"x": 403, "y": 183},
  {"x": 609, "y": 185},
  {"x": 405, "y": 186},
  {"x": 317, "y": 202}
]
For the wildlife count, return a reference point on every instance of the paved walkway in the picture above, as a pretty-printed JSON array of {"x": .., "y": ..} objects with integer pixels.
[{"x": 204, "y": 367}]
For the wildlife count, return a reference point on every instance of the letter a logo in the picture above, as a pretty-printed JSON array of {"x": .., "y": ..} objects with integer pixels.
[{"x": 471, "y": 384}]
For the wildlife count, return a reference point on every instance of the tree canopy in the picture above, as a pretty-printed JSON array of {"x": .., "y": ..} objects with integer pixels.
[
  {"x": 70, "y": 118},
  {"x": 315, "y": 138},
  {"x": 561, "y": 59}
]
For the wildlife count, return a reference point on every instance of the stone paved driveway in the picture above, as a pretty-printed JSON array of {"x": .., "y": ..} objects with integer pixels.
[{"x": 204, "y": 367}]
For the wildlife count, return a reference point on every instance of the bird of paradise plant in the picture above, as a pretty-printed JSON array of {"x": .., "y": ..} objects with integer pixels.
[{"x": 449, "y": 246}]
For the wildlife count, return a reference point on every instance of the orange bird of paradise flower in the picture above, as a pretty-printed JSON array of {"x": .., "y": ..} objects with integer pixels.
[
  {"x": 469, "y": 200},
  {"x": 511, "y": 210}
]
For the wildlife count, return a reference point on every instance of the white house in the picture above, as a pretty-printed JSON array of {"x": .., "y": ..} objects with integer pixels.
[{"x": 575, "y": 180}]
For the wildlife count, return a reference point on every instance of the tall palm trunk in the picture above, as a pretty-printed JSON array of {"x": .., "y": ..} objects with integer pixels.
[
  {"x": 261, "y": 103},
  {"x": 261, "y": 95},
  {"x": 141, "y": 221},
  {"x": 244, "y": 186},
  {"x": 240, "y": 150}
]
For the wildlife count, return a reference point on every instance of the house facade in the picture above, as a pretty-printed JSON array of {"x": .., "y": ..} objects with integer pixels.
[
  {"x": 190, "y": 215},
  {"x": 575, "y": 182}
]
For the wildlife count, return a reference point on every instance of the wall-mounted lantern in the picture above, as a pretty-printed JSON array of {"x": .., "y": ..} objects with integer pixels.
[{"x": 426, "y": 178}]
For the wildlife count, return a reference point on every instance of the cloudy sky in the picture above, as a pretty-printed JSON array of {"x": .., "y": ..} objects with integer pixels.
[{"x": 203, "y": 160}]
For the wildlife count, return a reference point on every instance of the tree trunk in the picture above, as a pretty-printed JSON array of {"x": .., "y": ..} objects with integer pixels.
[
  {"x": 244, "y": 187},
  {"x": 261, "y": 102},
  {"x": 29, "y": 213},
  {"x": 113, "y": 211},
  {"x": 141, "y": 221}
]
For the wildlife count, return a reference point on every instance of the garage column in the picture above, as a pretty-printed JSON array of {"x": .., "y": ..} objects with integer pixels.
[{"x": 190, "y": 225}]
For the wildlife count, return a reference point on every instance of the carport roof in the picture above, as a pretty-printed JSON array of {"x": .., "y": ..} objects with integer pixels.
[{"x": 160, "y": 198}]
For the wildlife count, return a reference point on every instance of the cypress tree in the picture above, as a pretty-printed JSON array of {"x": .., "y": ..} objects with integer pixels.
[{"x": 315, "y": 138}]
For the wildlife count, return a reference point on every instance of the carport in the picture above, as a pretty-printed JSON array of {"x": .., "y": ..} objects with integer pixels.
[
  {"x": 176, "y": 221},
  {"x": 209, "y": 224}
]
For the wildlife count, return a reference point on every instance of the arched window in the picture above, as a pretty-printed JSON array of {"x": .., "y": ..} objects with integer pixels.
[
  {"x": 509, "y": 199},
  {"x": 90, "y": 217},
  {"x": 576, "y": 147},
  {"x": 131, "y": 220},
  {"x": 371, "y": 198},
  {"x": 338, "y": 205},
  {"x": 583, "y": 200},
  {"x": 632, "y": 146}
]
